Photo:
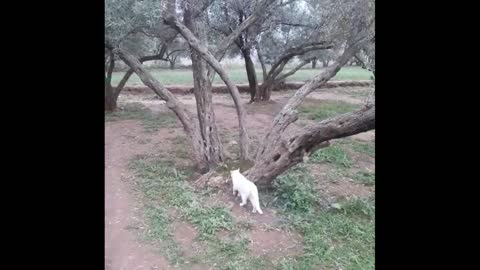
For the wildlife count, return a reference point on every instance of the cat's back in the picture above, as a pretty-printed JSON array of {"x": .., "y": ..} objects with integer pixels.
[{"x": 243, "y": 181}]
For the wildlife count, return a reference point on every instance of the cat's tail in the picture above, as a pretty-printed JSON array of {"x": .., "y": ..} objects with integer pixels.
[{"x": 256, "y": 203}]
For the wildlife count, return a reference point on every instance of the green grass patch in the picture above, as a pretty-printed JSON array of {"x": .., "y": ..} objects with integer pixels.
[
  {"x": 334, "y": 238},
  {"x": 334, "y": 154},
  {"x": 165, "y": 189},
  {"x": 159, "y": 179},
  {"x": 295, "y": 190},
  {"x": 135, "y": 111},
  {"x": 326, "y": 109}
]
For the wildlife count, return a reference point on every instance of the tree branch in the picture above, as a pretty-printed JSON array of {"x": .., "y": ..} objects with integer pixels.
[
  {"x": 288, "y": 153},
  {"x": 295, "y": 69},
  {"x": 226, "y": 42},
  {"x": 288, "y": 114},
  {"x": 129, "y": 73},
  {"x": 278, "y": 66}
]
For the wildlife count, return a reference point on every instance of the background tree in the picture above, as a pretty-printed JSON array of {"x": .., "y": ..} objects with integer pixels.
[
  {"x": 134, "y": 26},
  {"x": 300, "y": 30}
]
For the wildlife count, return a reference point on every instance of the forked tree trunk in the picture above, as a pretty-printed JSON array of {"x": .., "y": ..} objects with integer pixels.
[
  {"x": 185, "y": 117},
  {"x": 288, "y": 153},
  {"x": 264, "y": 91},
  {"x": 251, "y": 74},
  {"x": 207, "y": 55},
  {"x": 203, "y": 94}
]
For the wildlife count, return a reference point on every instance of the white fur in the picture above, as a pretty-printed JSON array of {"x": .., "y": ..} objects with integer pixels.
[{"x": 246, "y": 190}]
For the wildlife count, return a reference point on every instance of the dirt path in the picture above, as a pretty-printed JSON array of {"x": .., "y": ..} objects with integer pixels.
[{"x": 122, "y": 249}]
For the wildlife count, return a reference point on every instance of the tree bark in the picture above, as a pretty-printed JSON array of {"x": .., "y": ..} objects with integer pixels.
[
  {"x": 288, "y": 153},
  {"x": 314, "y": 64},
  {"x": 251, "y": 74},
  {"x": 205, "y": 54},
  {"x": 325, "y": 63},
  {"x": 173, "y": 104},
  {"x": 203, "y": 93}
]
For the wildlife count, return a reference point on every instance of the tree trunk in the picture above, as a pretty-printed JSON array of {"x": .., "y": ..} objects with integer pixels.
[
  {"x": 185, "y": 117},
  {"x": 314, "y": 64},
  {"x": 260, "y": 94},
  {"x": 273, "y": 139},
  {"x": 262, "y": 63},
  {"x": 325, "y": 63},
  {"x": 207, "y": 55},
  {"x": 116, "y": 92},
  {"x": 288, "y": 153},
  {"x": 172, "y": 64},
  {"x": 251, "y": 74},
  {"x": 203, "y": 93},
  {"x": 110, "y": 100}
]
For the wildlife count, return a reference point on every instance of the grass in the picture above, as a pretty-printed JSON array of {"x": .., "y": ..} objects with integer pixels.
[
  {"x": 334, "y": 154},
  {"x": 295, "y": 191},
  {"x": 326, "y": 109},
  {"x": 367, "y": 148},
  {"x": 365, "y": 178},
  {"x": 238, "y": 75},
  {"x": 151, "y": 122},
  {"x": 333, "y": 239},
  {"x": 166, "y": 190}
]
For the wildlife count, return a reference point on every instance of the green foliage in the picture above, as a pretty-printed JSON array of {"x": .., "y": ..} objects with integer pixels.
[{"x": 123, "y": 16}]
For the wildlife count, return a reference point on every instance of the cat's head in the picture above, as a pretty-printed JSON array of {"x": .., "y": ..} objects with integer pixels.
[{"x": 235, "y": 171}]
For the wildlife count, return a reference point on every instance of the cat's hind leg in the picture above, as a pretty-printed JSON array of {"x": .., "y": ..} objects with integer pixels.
[
  {"x": 250, "y": 198},
  {"x": 244, "y": 199}
]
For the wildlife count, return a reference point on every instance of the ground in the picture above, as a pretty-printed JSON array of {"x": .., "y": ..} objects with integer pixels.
[
  {"x": 320, "y": 215},
  {"x": 238, "y": 75}
]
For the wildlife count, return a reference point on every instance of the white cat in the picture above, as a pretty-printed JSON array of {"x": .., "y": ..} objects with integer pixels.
[{"x": 246, "y": 190}]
